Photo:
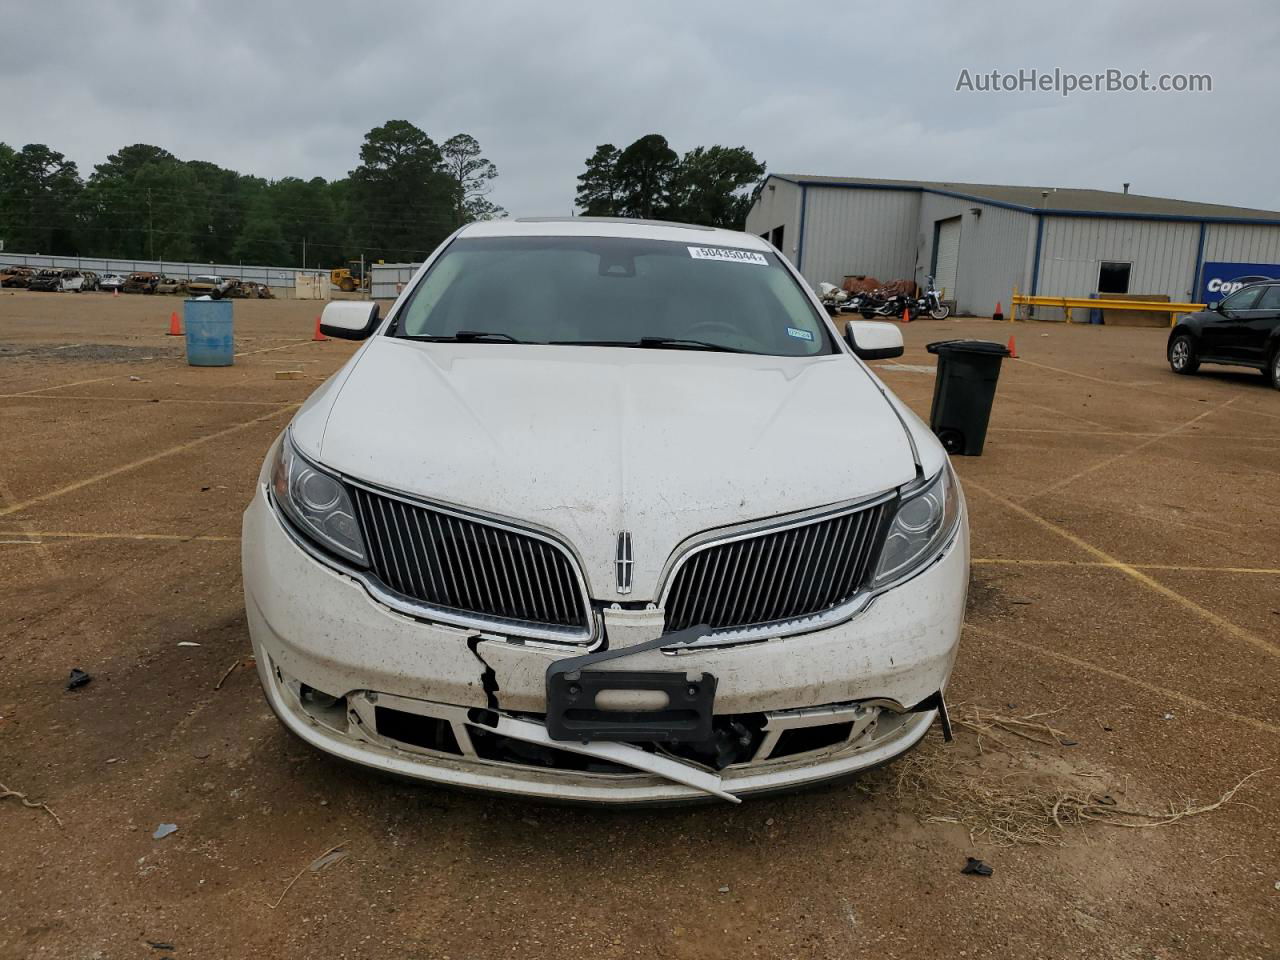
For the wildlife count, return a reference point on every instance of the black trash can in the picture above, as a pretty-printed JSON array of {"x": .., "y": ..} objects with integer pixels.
[{"x": 963, "y": 391}]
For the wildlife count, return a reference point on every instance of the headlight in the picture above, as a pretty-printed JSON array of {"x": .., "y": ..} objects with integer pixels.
[
  {"x": 923, "y": 525},
  {"x": 316, "y": 502}
]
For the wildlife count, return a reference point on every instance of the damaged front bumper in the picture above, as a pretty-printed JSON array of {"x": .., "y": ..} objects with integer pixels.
[{"x": 373, "y": 686}]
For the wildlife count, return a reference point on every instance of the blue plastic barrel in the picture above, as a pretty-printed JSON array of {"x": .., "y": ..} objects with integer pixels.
[{"x": 208, "y": 326}]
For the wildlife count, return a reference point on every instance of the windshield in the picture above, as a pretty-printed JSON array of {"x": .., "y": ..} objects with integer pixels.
[{"x": 605, "y": 291}]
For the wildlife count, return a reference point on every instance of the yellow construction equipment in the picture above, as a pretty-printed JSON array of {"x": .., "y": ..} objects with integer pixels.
[{"x": 351, "y": 277}]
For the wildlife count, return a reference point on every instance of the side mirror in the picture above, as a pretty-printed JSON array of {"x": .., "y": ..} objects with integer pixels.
[
  {"x": 349, "y": 319},
  {"x": 1216, "y": 306},
  {"x": 874, "y": 341}
]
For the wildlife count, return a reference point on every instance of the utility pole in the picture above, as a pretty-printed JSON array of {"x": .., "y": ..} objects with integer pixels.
[
  {"x": 151, "y": 233},
  {"x": 304, "y": 253}
]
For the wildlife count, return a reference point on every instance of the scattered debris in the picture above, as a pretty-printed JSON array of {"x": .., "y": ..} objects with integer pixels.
[
  {"x": 1022, "y": 601},
  {"x": 164, "y": 830},
  {"x": 77, "y": 679},
  {"x": 135, "y": 379},
  {"x": 724, "y": 888},
  {"x": 1009, "y": 796},
  {"x": 288, "y": 374},
  {"x": 976, "y": 867},
  {"x": 5, "y": 793},
  {"x": 328, "y": 859},
  {"x": 230, "y": 670},
  {"x": 285, "y": 891},
  {"x": 160, "y": 945},
  {"x": 1168, "y": 716},
  {"x": 187, "y": 643}
]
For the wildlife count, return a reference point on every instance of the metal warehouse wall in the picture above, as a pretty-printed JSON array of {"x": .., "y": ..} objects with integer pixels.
[
  {"x": 1163, "y": 254},
  {"x": 996, "y": 248},
  {"x": 851, "y": 231},
  {"x": 779, "y": 207},
  {"x": 1240, "y": 243}
]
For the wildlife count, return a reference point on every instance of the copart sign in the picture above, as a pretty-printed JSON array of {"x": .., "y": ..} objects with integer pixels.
[{"x": 1219, "y": 280}]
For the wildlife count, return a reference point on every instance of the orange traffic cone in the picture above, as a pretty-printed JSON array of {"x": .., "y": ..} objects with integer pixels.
[
  {"x": 1013, "y": 349},
  {"x": 175, "y": 329},
  {"x": 115, "y": 292},
  {"x": 318, "y": 335},
  {"x": 999, "y": 314},
  {"x": 906, "y": 315}
]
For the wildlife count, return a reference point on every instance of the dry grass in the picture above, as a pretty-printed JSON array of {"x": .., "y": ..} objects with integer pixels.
[{"x": 1004, "y": 791}]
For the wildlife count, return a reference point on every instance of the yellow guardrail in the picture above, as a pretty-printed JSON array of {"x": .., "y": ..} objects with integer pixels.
[{"x": 1067, "y": 304}]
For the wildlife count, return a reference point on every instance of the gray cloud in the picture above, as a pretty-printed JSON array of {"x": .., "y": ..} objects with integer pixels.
[{"x": 281, "y": 90}]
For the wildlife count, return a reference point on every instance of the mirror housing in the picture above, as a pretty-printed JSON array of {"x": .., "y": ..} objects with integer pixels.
[
  {"x": 1216, "y": 306},
  {"x": 871, "y": 340},
  {"x": 349, "y": 319}
]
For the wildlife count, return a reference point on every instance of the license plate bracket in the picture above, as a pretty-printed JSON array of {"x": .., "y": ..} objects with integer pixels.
[{"x": 573, "y": 714}]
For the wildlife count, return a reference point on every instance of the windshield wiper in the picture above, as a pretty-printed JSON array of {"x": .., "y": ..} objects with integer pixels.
[
  {"x": 653, "y": 343},
  {"x": 465, "y": 336}
]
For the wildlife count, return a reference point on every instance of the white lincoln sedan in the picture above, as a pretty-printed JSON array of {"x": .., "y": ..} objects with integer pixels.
[{"x": 607, "y": 511}]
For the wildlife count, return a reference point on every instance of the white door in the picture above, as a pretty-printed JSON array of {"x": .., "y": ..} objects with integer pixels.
[{"x": 947, "y": 257}]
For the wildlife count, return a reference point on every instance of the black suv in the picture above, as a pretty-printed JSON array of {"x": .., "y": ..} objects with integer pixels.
[{"x": 1242, "y": 330}]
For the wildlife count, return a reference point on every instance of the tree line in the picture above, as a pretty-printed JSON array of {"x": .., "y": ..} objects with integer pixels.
[
  {"x": 649, "y": 180},
  {"x": 406, "y": 195}
]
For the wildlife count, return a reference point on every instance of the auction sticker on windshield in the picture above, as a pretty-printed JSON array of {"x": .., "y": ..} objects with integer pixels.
[{"x": 728, "y": 253}]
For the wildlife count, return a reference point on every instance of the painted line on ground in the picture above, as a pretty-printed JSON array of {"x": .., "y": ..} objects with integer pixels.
[
  {"x": 64, "y": 396},
  {"x": 1118, "y": 565},
  {"x": 1156, "y": 586},
  {"x": 1067, "y": 658},
  {"x": 82, "y": 535},
  {"x": 1116, "y": 457},
  {"x": 1144, "y": 386},
  {"x": 1242, "y": 437},
  {"x": 152, "y": 458},
  {"x": 291, "y": 343},
  {"x": 63, "y": 386}
]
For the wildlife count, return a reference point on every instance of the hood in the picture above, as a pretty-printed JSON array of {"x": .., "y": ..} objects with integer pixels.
[{"x": 584, "y": 442}]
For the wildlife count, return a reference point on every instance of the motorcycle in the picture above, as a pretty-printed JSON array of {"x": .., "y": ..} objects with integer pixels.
[
  {"x": 874, "y": 304},
  {"x": 930, "y": 302}
]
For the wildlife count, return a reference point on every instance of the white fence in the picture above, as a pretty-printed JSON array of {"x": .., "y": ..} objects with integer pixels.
[
  {"x": 281, "y": 280},
  {"x": 386, "y": 280}
]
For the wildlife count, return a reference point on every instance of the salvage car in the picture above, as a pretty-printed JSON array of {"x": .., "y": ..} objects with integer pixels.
[
  {"x": 78, "y": 281},
  {"x": 46, "y": 280},
  {"x": 208, "y": 285},
  {"x": 171, "y": 285},
  {"x": 110, "y": 281},
  {"x": 141, "y": 282},
  {"x": 1242, "y": 330},
  {"x": 607, "y": 511},
  {"x": 16, "y": 276}
]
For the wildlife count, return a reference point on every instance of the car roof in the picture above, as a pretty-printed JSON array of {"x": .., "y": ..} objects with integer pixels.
[{"x": 614, "y": 227}]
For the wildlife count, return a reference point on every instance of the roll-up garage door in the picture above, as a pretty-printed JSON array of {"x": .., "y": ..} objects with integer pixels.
[{"x": 946, "y": 256}]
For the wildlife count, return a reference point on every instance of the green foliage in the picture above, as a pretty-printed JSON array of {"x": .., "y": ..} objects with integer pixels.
[
  {"x": 598, "y": 184},
  {"x": 473, "y": 176},
  {"x": 708, "y": 185},
  {"x": 142, "y": 202},
  {"x": 39, "y": 195},
  {"x": 645, "y": 171}
]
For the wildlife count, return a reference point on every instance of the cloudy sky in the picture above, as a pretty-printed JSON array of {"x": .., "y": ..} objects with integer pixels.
[{"x": 828, "y": 87}]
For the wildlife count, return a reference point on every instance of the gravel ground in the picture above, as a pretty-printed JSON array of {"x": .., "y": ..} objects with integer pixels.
[{"x": 1126, "y": 581}]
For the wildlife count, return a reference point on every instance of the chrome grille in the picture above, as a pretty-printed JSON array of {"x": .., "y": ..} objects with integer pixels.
[
  {"x": 777, "y": 575},
  {"x": 452, "y": 562}
]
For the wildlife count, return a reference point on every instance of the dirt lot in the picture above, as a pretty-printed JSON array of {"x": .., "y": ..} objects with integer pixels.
[{"x": 1126, "y": 584}]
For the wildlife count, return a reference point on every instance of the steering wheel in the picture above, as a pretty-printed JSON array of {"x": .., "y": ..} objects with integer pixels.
[{"x": 713, "y": 325}]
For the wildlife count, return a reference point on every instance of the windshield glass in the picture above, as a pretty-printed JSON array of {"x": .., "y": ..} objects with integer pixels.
[{"x": 614, "y": 291}]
